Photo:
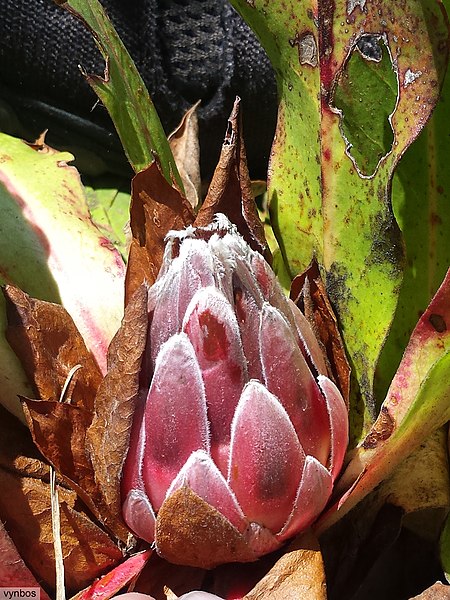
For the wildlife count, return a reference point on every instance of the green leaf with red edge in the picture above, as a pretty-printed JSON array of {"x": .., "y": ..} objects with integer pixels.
[
  {"x": 321, "y": 204},
  {"x": 44, "y": 217},
  {"x": 417, "y": 403},
  {"x": 420, "y": 198},
  {"x": 124, "y": 94}
]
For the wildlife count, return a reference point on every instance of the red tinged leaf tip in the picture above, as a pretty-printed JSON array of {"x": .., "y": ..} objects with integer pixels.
[
  {"x": 287, "y": 375},
  {"x": 175, "y": 418},
  {"x": 266, "y": 459},
  {"x": 213, "y": 330}
]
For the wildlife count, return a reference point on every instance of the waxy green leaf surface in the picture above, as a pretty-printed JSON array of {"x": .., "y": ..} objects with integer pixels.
[{"x": 322, "y": 205}]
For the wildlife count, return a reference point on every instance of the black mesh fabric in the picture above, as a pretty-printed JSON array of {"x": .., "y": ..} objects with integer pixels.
[{"x": 185, "y": 50}]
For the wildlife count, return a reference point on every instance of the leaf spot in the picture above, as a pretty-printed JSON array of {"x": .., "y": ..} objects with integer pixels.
[
  {"x": 369, "y": 47},
  {"x": 307, "y": 48},
  {"x": 352, "y": 4},
  {"x": 410, "y": 77},
  {"x": 437, "y": 322},
  {"x": 381, "y": 430}
]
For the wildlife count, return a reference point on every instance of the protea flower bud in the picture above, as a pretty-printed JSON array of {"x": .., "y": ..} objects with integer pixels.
[{"x": 242, "y": 433}]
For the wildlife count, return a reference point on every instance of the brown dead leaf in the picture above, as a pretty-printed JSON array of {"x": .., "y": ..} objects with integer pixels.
[
  {"x": 18, "y": 454},
  {"x": 308, "y": 292},
  {"x": 298, "y": 575},
  {"x": 26, "y": 512},
  {"x": 230, "y": 191},
  {"x": 438, "y": 591},
  {"x": 189, "y": 531},
  {"x": 185, "y": 147},
  {"x": 109, "y": 434},
  {"x": 156, "y": 208},
  {"x": 59, "y": 431},
  {"x": 46, "y": 340}
]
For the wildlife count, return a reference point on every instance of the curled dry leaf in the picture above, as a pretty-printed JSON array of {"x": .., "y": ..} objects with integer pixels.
[
  {"x": 156, "y": 208},
  {"x": 109, "y": 435},
  {"x": 26, "y": 513},
  {"x": 88, "y": 551},
  {"x": 308, "y": 292},
  {"x": 185, "y": 147},
  {"x": 59, "y": 431},
  {"x": 298, "y": 575},
  {"x": 230, "y": 191},
  {"x": 48, "y": 343}
]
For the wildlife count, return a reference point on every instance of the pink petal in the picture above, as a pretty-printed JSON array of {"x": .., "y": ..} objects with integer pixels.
[
  {"x": 287, "y": 375},
  {"x": 165, "y": 319},
  {"x": 247, "y": 313},
  {"x": 312, "y": 495},
  {"x": 339, "y": 424},
  {"x": 266, "y": 460},
  {"x": 196, "y": 271},
  {"x": 202, "y": 476},
  {"x": 271, "y": 289},
  {"x": 175, "y": 418},
  {"x": 309, "y": 344},
  {"x": 139, "y": 515},
  {"x": 212, "y": 328},
  {"x": 261, "y": 540}
]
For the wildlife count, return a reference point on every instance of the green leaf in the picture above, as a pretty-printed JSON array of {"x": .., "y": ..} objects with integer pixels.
[
  {"x": 366, "y": 95},
  {"x": 321, "y": 204},
  {"x": 418, "y": 403},
  {"x": 421, "y": 201},
  {"x": 109, "y": 205},
  {"x": 51, "y": 249},
  {"x": 123, "y": 93}
]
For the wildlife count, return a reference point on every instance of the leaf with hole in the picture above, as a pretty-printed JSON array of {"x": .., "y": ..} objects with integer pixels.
[{"x": 325, "y": 202}]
